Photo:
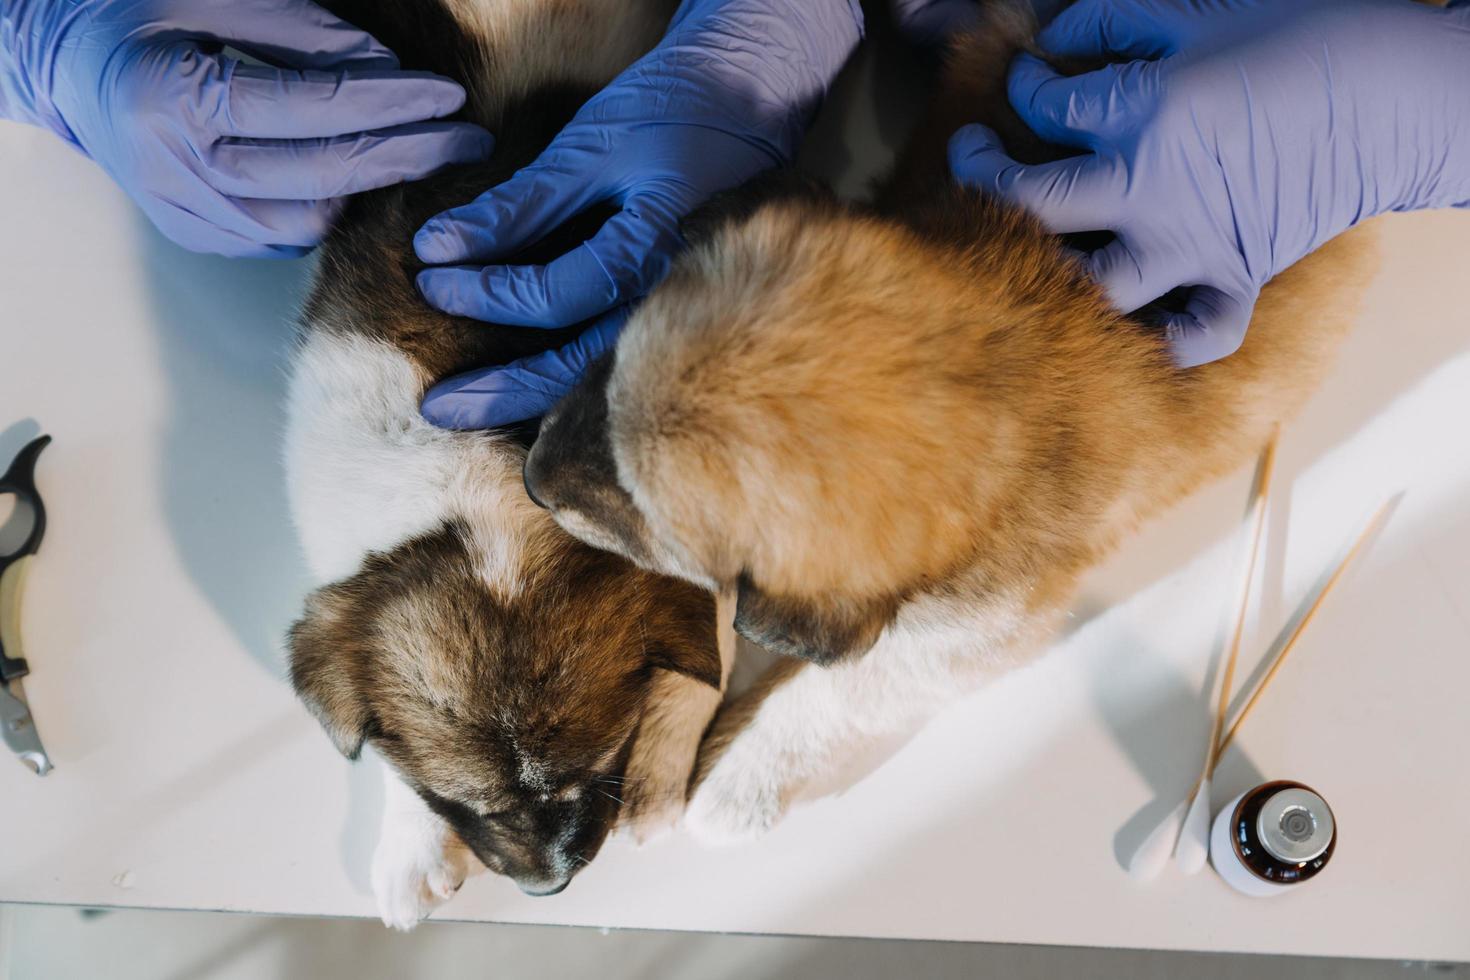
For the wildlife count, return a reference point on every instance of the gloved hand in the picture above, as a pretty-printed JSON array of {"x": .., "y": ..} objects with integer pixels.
[
  {"x": 224, "y": 156},
  {"x": 1249, "y": 133},
  {"x": 725, "y": 95}
]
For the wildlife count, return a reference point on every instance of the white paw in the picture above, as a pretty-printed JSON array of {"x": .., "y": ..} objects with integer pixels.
[
  {"x": 415, "y": 870},
  {"x": 736, "y": 803}
]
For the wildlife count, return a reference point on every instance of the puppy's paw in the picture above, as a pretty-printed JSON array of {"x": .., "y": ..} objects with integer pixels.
[
  {"x": 737, "y": 801},
  {"x": 656, "y": 786},
  {"x": 652, "y": 811},
  {"x": 415, "y": 871}
]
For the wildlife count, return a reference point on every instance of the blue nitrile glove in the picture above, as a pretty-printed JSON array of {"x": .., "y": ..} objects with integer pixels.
[
  {"x": 1248, "y": 133},
  {"x": 725, "y": 95},
  {"x": 223, "y": 156}
]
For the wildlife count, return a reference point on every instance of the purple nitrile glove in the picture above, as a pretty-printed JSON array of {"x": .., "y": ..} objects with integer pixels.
[
  {"x": 523, "y": 389},
  {"x": 224, "y": 156},
  {"x": 725, "y": 96},
  {"x": 1247, "y": 133}
]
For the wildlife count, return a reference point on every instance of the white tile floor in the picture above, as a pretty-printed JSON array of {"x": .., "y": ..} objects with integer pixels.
[{"x": 38, "y": 943}]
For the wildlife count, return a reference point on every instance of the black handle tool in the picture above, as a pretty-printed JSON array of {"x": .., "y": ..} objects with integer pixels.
[{"x": 16, "y": 724}]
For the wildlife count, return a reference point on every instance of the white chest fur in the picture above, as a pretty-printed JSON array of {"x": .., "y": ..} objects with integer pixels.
[{"x": 365, "y": 472}]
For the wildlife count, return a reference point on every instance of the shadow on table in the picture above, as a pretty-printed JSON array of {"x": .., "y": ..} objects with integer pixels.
[{"x": 225, "y": 331}]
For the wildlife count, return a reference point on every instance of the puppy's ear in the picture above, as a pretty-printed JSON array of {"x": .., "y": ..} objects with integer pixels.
[
  {"x": 325, "y": 654},
  {"x": 737, "y": 204},
  {"x": 823, "y": 633},
  {"x": 685, "y": 639}
]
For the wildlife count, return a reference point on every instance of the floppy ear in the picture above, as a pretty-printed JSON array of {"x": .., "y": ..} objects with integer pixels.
[
  {"x": 326, "y": 651},
  {"x": 822, "y": 632},
  {"x": 685, "y": 640}
]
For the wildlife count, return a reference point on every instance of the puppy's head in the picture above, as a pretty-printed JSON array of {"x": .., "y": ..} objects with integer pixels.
[
  {"x": 509, "y": 704},
  {"x": 792, "y": 413}
]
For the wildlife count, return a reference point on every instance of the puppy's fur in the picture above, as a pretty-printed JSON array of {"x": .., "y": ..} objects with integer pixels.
[
  {"x": 499, "y": 666},
  {"x": 902, "y": 430}
]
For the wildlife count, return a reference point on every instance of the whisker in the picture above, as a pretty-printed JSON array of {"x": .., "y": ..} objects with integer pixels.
[{"x": 612, "y": 797}]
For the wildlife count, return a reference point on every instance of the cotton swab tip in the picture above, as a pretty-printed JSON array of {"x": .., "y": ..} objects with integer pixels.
[
  {"x": 1193, "y": 849},
  {"x": 1147, "y": 862}
]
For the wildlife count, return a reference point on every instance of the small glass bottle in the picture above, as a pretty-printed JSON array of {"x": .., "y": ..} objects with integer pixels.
[{"x": 1270, "y": 839}]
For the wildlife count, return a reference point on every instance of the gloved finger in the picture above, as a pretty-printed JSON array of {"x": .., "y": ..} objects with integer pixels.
[
  {"x": 288, "y": 224},
  {"x": 298, "y": 33},
  {"x": 269, "y": 103},
  {"x": 327, "y": 168},
  {"x": 523, "y": 389},
  {"x": 293, "y": 224},
  {"x": 932, "y": 21},
  {"x": 621, "y": 262},
  {"x": 1076, "y": 194},
  {"x": 1212, "y": 326},
  {"x": 1129, "y": 276},
  {"x": 506, "y": 218},
  {"x": 1108, "y": 29},
  {"x": 1077, "y": 110},
  {"x": 241, "y": 236}
]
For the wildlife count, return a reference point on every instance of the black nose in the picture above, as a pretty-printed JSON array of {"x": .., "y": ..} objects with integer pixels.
[
  {"x": 528, "y": 478},
  {"x": 538, "y": 888}
]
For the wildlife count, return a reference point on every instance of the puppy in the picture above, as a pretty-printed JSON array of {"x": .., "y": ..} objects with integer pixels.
[
  {"x": 901, "y": 432},
  {"x": 522, "y": 687}
]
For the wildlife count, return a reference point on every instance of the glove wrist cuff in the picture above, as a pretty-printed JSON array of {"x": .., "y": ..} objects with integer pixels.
[
  {"x": 799, "y": 47},
  {"x": 26, "y": 67}
]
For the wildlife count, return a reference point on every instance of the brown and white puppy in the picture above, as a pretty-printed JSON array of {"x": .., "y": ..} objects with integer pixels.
[
  {"x": 522, "y": 687},
  {"x": 902, "y": 432}
]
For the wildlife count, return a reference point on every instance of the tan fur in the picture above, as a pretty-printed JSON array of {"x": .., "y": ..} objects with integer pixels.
[
  {"x": 669, "y": 735},
  {"x": 830, "y": 404},
  {"x": 908, "y": 427},
  {"x": 533, "y": 42},
  {"x": 849, "y": 408}
]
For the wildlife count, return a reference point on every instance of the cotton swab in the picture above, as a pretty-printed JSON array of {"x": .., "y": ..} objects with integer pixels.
[
  {"x": 1193, "y": 848},
  {"x": 1374, "y": 526},
  {"x": 1149, "y": 859},
  {"x": 1144, "y": 858},
  {"x": 1153, "y": 853}
]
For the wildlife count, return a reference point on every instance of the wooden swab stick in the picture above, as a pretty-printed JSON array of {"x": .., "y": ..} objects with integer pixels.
[
  {"x": 1191, "y": 850},
  {"x": 1373, "y": 527},
  {"x": 1263, "y": 501}
]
